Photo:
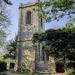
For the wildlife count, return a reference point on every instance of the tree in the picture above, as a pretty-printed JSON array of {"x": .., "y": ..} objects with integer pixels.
[
  {"x": 8, "y": 2},
  {"x": 55, "y": 9},
  {"x": 4, "y": 20},
  {"x": 11, "y": 49}
]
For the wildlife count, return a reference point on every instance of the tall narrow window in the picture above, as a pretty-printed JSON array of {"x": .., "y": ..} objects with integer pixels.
[{"x": 28, "y": 17}]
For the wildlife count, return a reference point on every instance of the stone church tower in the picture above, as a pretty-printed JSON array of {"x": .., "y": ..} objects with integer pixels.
[
  {"x": 29, "y": 23},
  {"x": 28, "y": 56}
]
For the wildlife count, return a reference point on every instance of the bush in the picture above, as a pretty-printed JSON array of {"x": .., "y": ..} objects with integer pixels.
[
  {"x": 12, "y": 65},
  {"x": 70, "y": 71},
  {"x": 24, "y": 71},
  {"x": 3, "y": 66}
]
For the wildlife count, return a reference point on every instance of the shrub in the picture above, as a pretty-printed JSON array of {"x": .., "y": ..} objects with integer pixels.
[
  {"x": 25, "y": 71},
  {"x": 70, "y": 71},
  {"x": 3, "y": 66}
]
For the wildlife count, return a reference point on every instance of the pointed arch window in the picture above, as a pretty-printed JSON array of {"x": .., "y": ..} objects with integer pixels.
[{"x": 28, "y": 17}]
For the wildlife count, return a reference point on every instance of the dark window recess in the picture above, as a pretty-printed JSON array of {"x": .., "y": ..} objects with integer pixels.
[
  {"x": 45, "y": 54},
  {"x": 12, "y": 65},
  {"x": 41, "y": 24},
  {"x": 28, "y": 17}
]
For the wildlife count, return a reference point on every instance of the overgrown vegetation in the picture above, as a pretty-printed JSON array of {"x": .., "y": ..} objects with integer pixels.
[
  {"x": 59, "y": 43},
  {"x": 3, "y": 66}
]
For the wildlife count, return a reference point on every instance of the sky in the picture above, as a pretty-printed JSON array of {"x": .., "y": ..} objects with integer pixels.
[{"x": 14, "y": 18}]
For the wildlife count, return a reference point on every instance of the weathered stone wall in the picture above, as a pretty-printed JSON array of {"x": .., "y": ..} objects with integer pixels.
[
  {"x": 51, "y": 65},
  {"x": 26, "y": 52},
  {"x": 28, "y": 59}
]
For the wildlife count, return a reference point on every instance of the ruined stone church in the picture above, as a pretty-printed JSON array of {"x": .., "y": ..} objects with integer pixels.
[{"x": 29, "y": 56}]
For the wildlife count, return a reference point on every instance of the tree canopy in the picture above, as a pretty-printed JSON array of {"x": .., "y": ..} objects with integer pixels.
[
  {"x": 51, "y": 10},
  {"x": 11, "y": 49},
  {"x": 7, "y": 2},
  {"x": 4, "y": 20}
]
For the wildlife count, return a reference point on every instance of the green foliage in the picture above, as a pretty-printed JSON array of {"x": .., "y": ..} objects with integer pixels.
[
  {"x": 35, "y": 37},
  {"x": 69, "y": 27},
  {"x": 4, "y": 22},
  {"x": 2, "y": 37},
  {"x": 56, "y": 9},
  {"x": 70, "y": 71},
  {"x": 11, "y": 47},
  {"x": 24, "y": 71},
  {"x": 8, "y": 2},
  {"x": 59, "y": 43}
]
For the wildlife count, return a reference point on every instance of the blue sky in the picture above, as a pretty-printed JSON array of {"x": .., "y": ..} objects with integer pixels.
[
  {"x": 14, "y": 18},
  {"x": 14, "y": 15}
]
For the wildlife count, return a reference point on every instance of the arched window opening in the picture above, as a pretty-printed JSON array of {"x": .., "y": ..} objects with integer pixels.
[{"x": 28, "y": 17}]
